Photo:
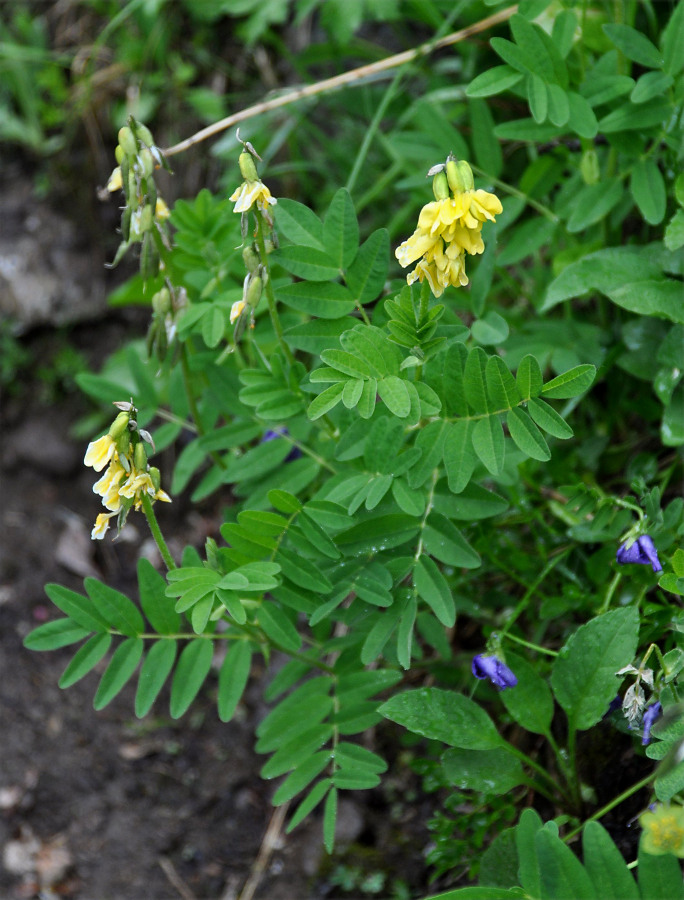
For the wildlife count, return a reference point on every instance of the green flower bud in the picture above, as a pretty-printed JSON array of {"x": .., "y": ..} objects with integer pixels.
[
  {"x": 140, "y": 457},
  {"x": 459, "y": 176},
  {"x": 119, "y": 153},
  {"x": 146, "y": 162},
  {"x": 144, "y": 134},
  {"x": 155, "y": 475},
  {"x": 254, "y": 292},
  {"x": 149, "y": 258},
  {"x": 247, "y": 167},
  {"x": 440, "y": 188},
  {"x": 250, "y": 258},
  {"x": 127, "y": 141},
  {"x": 161, "y": 301},
  {"x": 132, "y": 192},
  {"x": 119, "y": 425},
  {"x": 589, "y": 167},
  {"x": 122, "y": 445},
  {"x": 146, "y": 218},
  {"x": 126, "y": 223}
]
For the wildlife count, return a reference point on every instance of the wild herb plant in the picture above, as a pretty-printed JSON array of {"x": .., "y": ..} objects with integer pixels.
[{"x": 452, "y": 500}]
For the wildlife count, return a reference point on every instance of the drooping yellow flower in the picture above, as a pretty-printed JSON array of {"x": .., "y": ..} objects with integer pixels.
[
  {"x": 161, "y": 210},
  {"x": 115, "y": 182},
  {"x": 250, "y": 192},
  {"x": 236, "y": 310},
  {"x": 663, "y": 830},
  {"x": 101, "y": 526},
  {"x": 100, "y": 452},
  {"x": 448, "y": 228}
]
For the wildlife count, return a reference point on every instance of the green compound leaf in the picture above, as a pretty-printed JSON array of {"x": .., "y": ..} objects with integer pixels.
[
  {"x": 85, "y": 659},
  {"x": 303, "y": 572},
  {"x": 367, "y": 274},
  {"x": 278, "y": 627},
  {"x": 53, "y": 635},
  {"x": 394, "y": 394},
  {"x": 192, "y": 669},
  {"x": 299, "y": 224},
  {"x": 562, "y": 875},
  {"x": 79, "y": 608},
  {"x": 309, "y": 803},
  {"x": 488, "y": 443},
  {"x": 158, "y": 608},
  {"x": 490, "y": 771},
  {"x": 531, "y": 703},
  {"x": 659, "y": 876},
  {"x": 459, "y": 456},
  {"x": 529, "y": 377},
  {"x": 445, "y": 542},
  {"x": 494, "y": 81},
  {"x": 635, "y": 45},
  {"x": 571, "y": 383},
  {"x": 648, "y": 189},
  {"x": 290, "y": 754},
  {"x": 661, "y": 297},
  {"x": 301, "y": 777},
  {"x": 327, "y": 300},
  {"x": 155, "y": 670},
  {"x": 605, "y": 865},
  {"x": 583, "y": 676},
  {"x": 526, "y": 435},
  {"x": 501, "y": 386},
  {"x": 341, "y": 230},
  {"x": 443, "y": 716},
  {"x": 433, "y": 589},
  {"x": 115, "y": 607},
  {"x": 121, "y": 667},
  {"x": 325, "y": 401},
  {"x": 547, "y": 418},
  {"x": 233, "y": 679},
  {"x": 307, "y": 263}
]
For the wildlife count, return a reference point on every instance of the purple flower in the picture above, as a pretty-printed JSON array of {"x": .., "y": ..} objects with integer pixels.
[
  {"x": 272, "y": 434},
  {"x": 651, "y": 714},
  {"x": 642, "y": 551},
  {"x": 493, "y": 668}
]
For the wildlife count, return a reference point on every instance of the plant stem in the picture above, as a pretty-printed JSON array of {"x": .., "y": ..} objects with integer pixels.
[
  {"x": 268, "y": 288},
  {"x": 625, "y": 795},
  {"x": 156, "y": 532},
  {"x": 518, "y": 640}
]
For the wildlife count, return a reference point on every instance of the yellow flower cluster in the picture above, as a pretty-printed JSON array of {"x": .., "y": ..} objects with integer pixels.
[
  {"x": 448, "y": 228},
  {"x": 127, "y": 478},
  {"x": 663, "y": 830}
]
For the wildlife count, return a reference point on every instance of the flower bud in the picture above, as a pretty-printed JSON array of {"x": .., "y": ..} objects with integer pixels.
[
  {"x": 155, "y": 475},
  {"x": 146, "y": 162},
  {"x": 247, "y": 167},
  {"x": 459, "y": 176},
  {"x": 161, "y": 301},
  {"x": 119, "y": 153},
  {"x": 146, "y": 218},
  {"x": 149, "y": 258},
  {"x": 140, "y": 457},
  {"x": 119, "y": 425},
  {"x": 127, "y": 141},
  {"x": 254, "y": 292},
  {"x": 123, "y": 443},
  {"x": 440, "y": 188},
  {"x": 126, "y": 223},
  {"x": 250, "y": 259},
  {"x": 144, "y": 134}
]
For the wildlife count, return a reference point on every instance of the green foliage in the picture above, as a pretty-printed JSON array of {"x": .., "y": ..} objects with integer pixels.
[{"x": 414, "y": 478}]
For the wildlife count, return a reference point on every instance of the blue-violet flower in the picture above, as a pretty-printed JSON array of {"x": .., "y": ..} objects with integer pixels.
[
  {"x": 493, "y": 668},
  {"x": 651, "y": 714},
  {"x": 642, "y": 551}
]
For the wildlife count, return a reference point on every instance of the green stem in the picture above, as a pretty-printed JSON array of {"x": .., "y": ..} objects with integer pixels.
[
  {"x": 268, "y": 288},
  {"x": 625, "y": 795},
  {"x": 612, "y": 587},
  {"x": 518, "y": 640},
  {"x": 156, "y": 532},
  {"x": 540, "y": 770}
]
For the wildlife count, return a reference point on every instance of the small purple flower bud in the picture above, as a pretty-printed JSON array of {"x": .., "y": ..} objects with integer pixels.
[
  {"x": 272, "y": 434},
  {"x": 651, "y": 714},
  {"x": 642, "y": 551},
  {"x": 493, "y": 668}
]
